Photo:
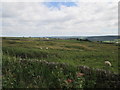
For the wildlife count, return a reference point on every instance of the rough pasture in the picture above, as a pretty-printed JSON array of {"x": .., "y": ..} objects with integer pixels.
[{"x": 72, "y": 53}]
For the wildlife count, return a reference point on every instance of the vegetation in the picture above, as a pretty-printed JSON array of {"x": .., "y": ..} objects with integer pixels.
[{"x": 31, "y": 62}]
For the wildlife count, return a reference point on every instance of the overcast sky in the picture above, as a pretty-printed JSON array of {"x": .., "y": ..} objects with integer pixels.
[{"x": 59, "y": 19}]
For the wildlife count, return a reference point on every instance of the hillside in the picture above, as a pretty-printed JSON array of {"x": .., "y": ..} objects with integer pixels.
[
  {"x": 91, "y": 38},
  {"x": 51, "y": 62},
  {"x": 103, "y": 38}
]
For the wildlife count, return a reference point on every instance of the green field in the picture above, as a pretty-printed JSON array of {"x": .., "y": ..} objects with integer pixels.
[{"x": 71, "y": 52}]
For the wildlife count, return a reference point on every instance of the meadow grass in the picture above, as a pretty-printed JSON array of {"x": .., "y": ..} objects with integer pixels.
[
  {"x": 92, "y": 54},
  {"x": 39, "y": 75}
]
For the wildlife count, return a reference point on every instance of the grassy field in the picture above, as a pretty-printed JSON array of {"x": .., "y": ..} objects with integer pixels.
[{"x": 71, "y": 52}]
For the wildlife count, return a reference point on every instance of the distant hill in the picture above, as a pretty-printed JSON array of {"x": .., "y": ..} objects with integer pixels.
[
  {"x": 91, "y": 38},
  {"x": 103, "y": 38},
  {"x": 68, "y": 37}
]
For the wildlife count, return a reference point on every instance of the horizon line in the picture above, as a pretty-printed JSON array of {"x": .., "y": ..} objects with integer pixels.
[{"x": 62, "y": 36}]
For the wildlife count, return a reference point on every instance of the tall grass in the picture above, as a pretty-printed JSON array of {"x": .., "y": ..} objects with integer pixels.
[{"x": 26, "y": 74}]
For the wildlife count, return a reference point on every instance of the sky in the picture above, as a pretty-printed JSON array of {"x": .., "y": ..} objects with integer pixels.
[{"x": 38, "y": 19}]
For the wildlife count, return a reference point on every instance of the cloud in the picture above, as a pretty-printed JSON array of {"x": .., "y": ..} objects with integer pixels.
[{"x": 38, "y": 19}]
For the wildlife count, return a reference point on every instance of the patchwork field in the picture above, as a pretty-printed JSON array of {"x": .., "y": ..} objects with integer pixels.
[{"x": 69, "y": 52}]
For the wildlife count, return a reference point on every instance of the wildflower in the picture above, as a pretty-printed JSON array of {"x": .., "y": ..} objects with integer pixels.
[
  {"x": 12, "y": 83},
  {"x": 56, "y": 66},
  {"x": 58, "y": 79},
  {"x": 37, "y": 60},
  {"x": 80, "y": 74},
  {"x": 69, "y": 80},
  {"x": 52, "y": 72}
]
